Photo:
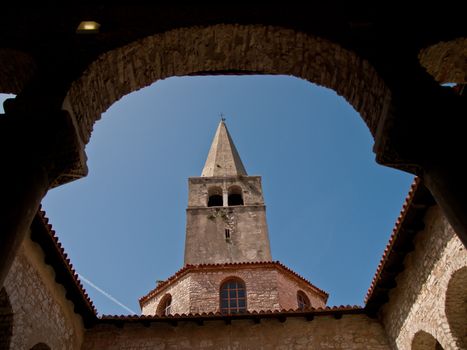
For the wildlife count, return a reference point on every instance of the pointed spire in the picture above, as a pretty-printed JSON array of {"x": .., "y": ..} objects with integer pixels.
[{"x": 223, "y": 158}]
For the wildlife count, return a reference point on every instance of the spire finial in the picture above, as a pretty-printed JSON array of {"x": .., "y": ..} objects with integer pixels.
[{"x": 222, "y": 117}]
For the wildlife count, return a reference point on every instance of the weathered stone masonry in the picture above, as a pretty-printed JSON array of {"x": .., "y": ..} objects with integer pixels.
[
  {"x": 42, "y": 314},
  {"x": 268, "y": 288},
  {"x": 418, "y": 302},
  {"x": 323, "y": 332}
]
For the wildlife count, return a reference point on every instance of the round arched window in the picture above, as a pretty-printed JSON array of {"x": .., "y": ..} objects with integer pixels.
[
  {"x": 233, "y": 296},
  {"x": 215, "y": 197},
  {"x": 165, "y": 306},
  {"x": 235, "y": 196},
  {"x": 302, "y": 301}
]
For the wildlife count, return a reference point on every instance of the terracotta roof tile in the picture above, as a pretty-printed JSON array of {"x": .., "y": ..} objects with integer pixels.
[
  {"x": 189, "y": 268},
  {"x": 395, "y": 232},
  {"x": 62, "y": 266},
  {"x": 347, "y": 309},
  {"x": 412, "y": 213}
]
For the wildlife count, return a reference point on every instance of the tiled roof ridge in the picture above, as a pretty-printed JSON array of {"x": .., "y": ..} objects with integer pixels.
[
  {"x": 395, "y": 232},
  {"x": 323, "y": 310},
  {"x": 66, "y": 261},
  {"x": 189, "y": 267}
]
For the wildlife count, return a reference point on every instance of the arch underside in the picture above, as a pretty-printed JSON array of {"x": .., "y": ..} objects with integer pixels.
[
  {"x": 446, "y": 61},
  {"x": 220, "y": 49}
]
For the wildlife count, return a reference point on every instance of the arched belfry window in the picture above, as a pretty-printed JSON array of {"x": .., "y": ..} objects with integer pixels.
[
  {"x": 215, "y": 197},
  {"x": 165, "y": 306},
  {"x": 302, "y": 300},
  {"x": 235, "y": 196},
  {"x": 233, "y": 296}
]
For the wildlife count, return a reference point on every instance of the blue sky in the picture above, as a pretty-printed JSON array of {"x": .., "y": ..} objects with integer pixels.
[{"x": 330, "y": 207}]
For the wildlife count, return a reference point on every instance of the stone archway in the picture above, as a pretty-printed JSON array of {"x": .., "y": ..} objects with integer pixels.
[
  {"x": 425, "y": 341},
  {"x": 446, "y": 61},
  {"x": 456, "y": 306},
  {"x": 221, "y": 49},
  {"x": 6, "y": 320},
  {"x": 16, "y": 70},
  {"x": 40, "y": 346}
]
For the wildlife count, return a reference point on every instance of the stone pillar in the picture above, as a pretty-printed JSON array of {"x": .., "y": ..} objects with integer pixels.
[
  {"x": 423, "y": 134},
  {"x": 35, "y": 148},
  {"x": 448, "y": 185}
]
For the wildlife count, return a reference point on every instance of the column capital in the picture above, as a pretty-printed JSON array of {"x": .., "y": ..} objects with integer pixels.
[{"x": 39, "y": 137}]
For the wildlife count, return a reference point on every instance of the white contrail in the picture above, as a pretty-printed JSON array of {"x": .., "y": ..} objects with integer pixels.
[{"x": 105, "y": 294}]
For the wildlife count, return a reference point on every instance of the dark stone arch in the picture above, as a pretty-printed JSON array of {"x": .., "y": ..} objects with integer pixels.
[
  {"x": 235, "y": 196},
  {"x": 425, "y": 341},
  {"x": 446, "y": 61},
  {"x": 41, "y": 346},
  {"x": 220, "y": 49},
  {"x": 456, "y": 306},
  {"x": 16, "y": 70},
  {"x": 215, "y": 198},
  {"x": 164, "y": 306},
  {"x": 6, "y": 320}
]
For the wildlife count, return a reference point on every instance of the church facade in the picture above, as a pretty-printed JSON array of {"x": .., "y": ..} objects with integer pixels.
[{"x": 228, "y": 266}]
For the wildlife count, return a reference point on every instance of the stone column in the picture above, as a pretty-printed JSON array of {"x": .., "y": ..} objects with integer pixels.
[
  {"x": 423, "y": 134},
  {"x": 35, "y": 148},
  {"x": 448, "y": 185}
]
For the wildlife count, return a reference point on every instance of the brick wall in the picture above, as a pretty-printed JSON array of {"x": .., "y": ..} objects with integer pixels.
[
  {"x": 418, "y": 302},
  {"x": 323, "y": 332},
  {"x": 268, "y": 288},
  {"x": 288, "y": 293},
  {"x": 42, "y": 314}
]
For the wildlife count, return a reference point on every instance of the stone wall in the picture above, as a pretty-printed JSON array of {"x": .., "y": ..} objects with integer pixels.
[
  {"x": 418, "y": 302},
  {"x": 324, "y": 332},
  {"x": 198, "y": 188},
  {"x": 288, "y": 289},
  {"x": 267, "y": 288},
  {"x": 6, "y": 320},
  {"x": 206, "y": 242},
  {"x": 41, "y": 313},
  {"x": 180, "y": 293}
]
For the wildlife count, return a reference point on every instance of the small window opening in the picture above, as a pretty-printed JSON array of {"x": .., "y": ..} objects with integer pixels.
[
  {"x": 227, "y": 233},
  {"x": 235, "y": 196},
  {"x": 215, "y": 201},
  {"x": 215, "y": 197},
  {"x": 302, "y": 301},
  {"x": 165, "y": 306}
]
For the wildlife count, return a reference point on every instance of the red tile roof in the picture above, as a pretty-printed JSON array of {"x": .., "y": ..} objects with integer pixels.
[
  {"x": 194, "y": 268},
  {"x": 409, "y": 222},
  {"x": 337, "y": 311},
  {"x": 55, "y": 255}
]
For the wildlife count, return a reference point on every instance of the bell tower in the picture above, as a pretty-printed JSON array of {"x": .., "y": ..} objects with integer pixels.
[
  {"x": 226, "y": 215},
  {"x": 228, "y": 267}
]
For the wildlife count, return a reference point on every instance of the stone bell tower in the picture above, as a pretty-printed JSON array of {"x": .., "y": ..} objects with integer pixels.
[
  {"x": 226, "y": 215},
  {"x": 228, "y": 267}
]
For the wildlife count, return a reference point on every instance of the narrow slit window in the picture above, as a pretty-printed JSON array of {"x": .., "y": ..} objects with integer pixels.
[{"x": 227, "y": 233}]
